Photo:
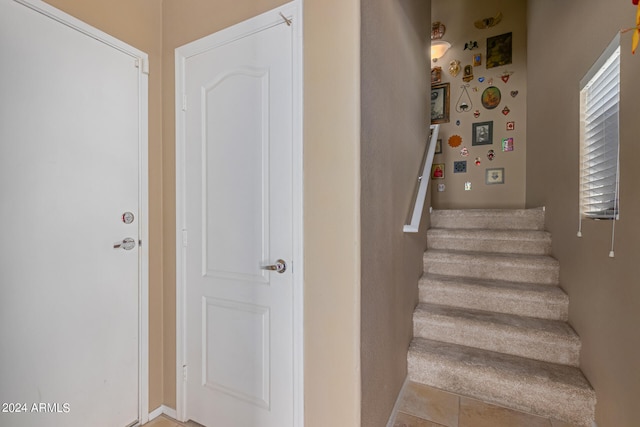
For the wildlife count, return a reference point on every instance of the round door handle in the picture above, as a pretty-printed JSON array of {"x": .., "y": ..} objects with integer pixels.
[
  {"x": 280, "y": 266},
  {"x": 127, "y": 244}
]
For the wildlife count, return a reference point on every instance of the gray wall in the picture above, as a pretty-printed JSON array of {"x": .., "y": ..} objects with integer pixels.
[
  {"x": 394, "y": 127},
  {"x": 565, "y": 38}
]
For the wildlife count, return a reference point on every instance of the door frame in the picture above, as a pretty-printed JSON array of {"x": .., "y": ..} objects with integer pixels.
[
  {"x": 141, "y": 61},
  {"x": 293, "y": 12}
]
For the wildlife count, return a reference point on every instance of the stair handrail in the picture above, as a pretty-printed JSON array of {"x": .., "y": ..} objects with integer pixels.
[{"x": 423, "y": 182}]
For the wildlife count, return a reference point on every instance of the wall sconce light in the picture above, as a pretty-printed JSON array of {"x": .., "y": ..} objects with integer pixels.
[{"x": 438, "y": 46}]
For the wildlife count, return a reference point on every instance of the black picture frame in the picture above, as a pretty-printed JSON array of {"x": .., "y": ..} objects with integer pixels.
[
  {"x": 482, "y": 133},
  {"x": 440, "y": 103}
]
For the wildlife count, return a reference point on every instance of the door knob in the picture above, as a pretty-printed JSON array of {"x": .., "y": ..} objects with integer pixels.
[
  {"x": 280, "y": 266},
  {"x": 127, "y": 244}
]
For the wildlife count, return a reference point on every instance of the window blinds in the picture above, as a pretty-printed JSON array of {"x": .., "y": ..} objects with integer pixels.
[
  {"x": 599, "y": 140},
  {"x": 600, "y": 98}
]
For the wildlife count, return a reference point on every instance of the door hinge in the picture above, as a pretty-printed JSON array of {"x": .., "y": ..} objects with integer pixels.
[
  {"x": 184, "y": 372},
  {"x": 184, "y": 238}
]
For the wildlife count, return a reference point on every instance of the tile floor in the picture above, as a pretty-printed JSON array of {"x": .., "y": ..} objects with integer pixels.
[
  {"x": 423, "y": 406},
  {"x": 164, "y": 421}
]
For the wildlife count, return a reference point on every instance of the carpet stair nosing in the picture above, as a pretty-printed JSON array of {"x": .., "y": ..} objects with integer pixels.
[
  {"x": 526, "y": 299},
  {"x": 545, "y": 389},
  {"x": 520, "y": 219},
  {"x": 539, "y": 339},
  {"x": 486, "y": 240},
  {"x": 520, "y": 268}
]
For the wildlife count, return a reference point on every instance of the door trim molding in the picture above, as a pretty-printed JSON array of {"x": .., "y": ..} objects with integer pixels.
[
  {"x": 141, "y": 61},
  {"x": 293, "y": 12}
]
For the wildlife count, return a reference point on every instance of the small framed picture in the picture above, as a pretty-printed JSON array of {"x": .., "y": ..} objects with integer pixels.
[
  {"x": 511, "y": 125},
  {"x": 439, "y": 146},
  {"x": 460, "y": 166},
  {"x": 507, "y": 144},
  {"x": 436, "y": 75},
  {"x": 477, "y": 60},
  {"x": 468, "y": 73},
  {"x": 482, "y": 133},
  {"x": 499, "y": 50},
  {"x": 494, "y": 176},
  {"x": 440, "y": 103},
  {"x": 437, "y": 171}
]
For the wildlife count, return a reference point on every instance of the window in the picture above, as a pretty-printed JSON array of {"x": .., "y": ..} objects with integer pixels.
[{"x": 599, "y": 101}]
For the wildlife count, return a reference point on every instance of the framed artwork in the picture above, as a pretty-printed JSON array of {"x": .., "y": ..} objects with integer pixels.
[
  {"x": 494, "y": 176},
  {"x": 499, "y": 50},
  {"x": 460, "y": 166},
  {"x": 477, "y": 60},
  {"x": 436, "y": 75},
  {"x": 482, "y": 133},
  {"x": 468, "y": 73},
  {"x": 507, "y": 144},
  {"x": 437, "y": 171},
  {"x": 439, "y": 146},
  {"x": 440, "y": 103},
  {"x": 491, "y": 97}
]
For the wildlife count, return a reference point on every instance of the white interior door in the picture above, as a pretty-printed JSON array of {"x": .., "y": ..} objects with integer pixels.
[
  {"x": 237, "y": 215},
  {"x": 70, "y": 134}
]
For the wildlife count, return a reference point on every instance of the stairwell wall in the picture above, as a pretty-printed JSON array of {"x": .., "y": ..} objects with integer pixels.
[
  {"x": 394, "y": 129},
  {"x": 459, "y": 17},
  {"x": 565, "y": 39}
]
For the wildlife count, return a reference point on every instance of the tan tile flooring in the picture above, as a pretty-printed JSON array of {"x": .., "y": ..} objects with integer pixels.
[
  {"x": 164, "y": 421},
  {"x": 423, "y": 406}
]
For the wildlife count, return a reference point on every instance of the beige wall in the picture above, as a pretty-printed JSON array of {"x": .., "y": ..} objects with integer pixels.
[
  {"x": 331, "y": 182},
  {"x": 565, "y": 38},
  {"x": 459, "y": 16},
  {"x": 395, "y": 81},
  {"x": 332, "y": 212}
]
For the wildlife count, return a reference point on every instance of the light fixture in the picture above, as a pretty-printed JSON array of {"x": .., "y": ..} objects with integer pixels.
[{"x": 438, "y": 46}]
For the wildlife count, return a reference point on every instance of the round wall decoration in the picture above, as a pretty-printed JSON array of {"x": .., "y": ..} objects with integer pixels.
[
  {"x": 455, "y": 140},
  {"x": 491, "y": 97}
]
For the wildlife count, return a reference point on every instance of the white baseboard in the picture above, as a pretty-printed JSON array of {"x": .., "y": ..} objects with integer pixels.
[
  {"x": 163, "y": 410},
  {"x": 392, "y": 417}
]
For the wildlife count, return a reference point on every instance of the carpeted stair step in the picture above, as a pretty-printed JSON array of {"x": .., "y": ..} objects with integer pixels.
[
  {"x": 532, "y": 242},
  {"x": 546, "y": 389},
  {"x": 501, "y": 219},
  {"x": 540, "y": 339},
  {"x": 509, "y": 267},
  {"x": 525, "y": 299}
]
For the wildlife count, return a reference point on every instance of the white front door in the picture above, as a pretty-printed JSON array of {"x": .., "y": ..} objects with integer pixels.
[
  {"x": 70, "y": 132},
  {"x": 236, "y": 138}
]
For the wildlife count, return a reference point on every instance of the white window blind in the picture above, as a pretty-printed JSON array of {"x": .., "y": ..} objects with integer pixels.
[
  {"x": 599, "y": 135},
  {"x": 600, "y": 97}
]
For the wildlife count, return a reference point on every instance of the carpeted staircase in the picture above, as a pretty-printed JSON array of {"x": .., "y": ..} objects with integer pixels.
[{"x": 492, "y": 321}]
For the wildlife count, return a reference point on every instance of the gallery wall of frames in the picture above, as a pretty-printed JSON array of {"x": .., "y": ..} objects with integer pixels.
[{"x": 478, "y": 96}]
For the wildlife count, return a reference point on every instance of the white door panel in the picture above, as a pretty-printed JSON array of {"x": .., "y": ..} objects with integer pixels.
[
  {"x": 69, "y": 168},
  {"x": 238, "y": 214}
]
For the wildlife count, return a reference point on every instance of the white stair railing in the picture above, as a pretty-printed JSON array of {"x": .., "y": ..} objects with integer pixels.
[{"x": 413, "y": 223}]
